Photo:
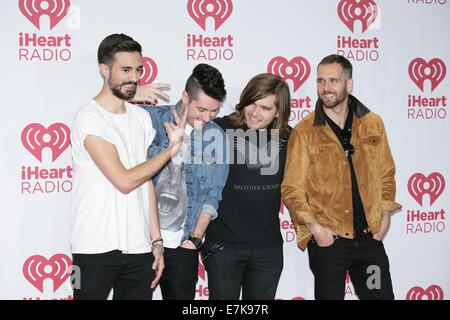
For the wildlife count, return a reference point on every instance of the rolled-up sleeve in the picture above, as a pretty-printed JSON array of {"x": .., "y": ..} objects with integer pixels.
[
  {"x": 388, "y": 177},
  {"x": 220, "y": 176}
]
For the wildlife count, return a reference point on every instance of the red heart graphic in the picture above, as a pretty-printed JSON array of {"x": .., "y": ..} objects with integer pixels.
[
  {"x": 33, "y": 139},
  {"x": 418, "y": 68},
  {"x": 365, "y": 11},
  {"x": 433, "y": 292},
  {"x": 150, "y": 71},
  {"x": 435, "y": 186},
  {"x": 299, "y": 69},
  {"x": 56, "y": 10},
  {"x": 219, "y": 10},
  {"x": 60, "y": 269}
]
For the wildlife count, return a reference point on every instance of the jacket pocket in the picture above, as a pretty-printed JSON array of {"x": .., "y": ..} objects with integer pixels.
[
  {"x": 373, "y": 140},
  {"x": 322, "y": 151},
  {"x": 323, "y": 161}
]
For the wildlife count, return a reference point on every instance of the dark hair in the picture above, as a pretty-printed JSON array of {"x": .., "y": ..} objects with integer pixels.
[
  {"x": 208, "y": 79},
  {"x": 116, "y": 43},
  {"x": 259, "y": 87},
  {"x": 335, "y": 58}
]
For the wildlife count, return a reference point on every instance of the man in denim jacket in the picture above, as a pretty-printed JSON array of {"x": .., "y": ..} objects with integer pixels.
[{"x": 189, "y": 187}]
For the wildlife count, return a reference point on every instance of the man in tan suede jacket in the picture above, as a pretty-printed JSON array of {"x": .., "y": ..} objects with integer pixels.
[{"x": 339, "y": 187}]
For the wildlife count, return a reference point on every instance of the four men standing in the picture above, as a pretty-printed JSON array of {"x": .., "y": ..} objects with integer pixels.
[{"x": 339, "y": 183}]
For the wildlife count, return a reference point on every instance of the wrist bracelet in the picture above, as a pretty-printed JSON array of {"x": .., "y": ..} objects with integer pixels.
[
  {"x": 196, "y": 235},
  {"x": 196, "y": 241},
  {"x": 158, "y": 246},
  {"x": 156, "y": 240}
]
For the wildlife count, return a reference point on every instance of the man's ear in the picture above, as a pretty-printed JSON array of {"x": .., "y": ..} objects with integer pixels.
[
  {"x": 104, "y": 70},
  {"x": 185, "y": 98},
  {"x": 349, "y": 85}
]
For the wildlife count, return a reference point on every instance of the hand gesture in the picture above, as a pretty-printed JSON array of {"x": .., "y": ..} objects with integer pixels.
[
  {"x": 150, "y": 92},
  {"x": 176, "y": 131}
]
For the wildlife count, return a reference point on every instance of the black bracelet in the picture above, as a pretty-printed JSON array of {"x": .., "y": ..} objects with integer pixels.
[
  {"x": 196, "y": 241},
  {"x": 156, "y": 240}
]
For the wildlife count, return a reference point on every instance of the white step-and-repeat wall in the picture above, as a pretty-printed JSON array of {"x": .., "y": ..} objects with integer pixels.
[{"x": 399, "y": 49}]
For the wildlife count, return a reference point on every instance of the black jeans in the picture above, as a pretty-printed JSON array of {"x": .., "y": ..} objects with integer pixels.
[
  {"x": 364, "y": 258},
  {"x": 257, "y": 272},
  {"x": 180, "y": 274},
  {"x": 130, "y": 275}
]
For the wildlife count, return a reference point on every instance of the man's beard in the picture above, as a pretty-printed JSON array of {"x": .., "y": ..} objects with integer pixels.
[
  {"x": 117, "y": 90},
  {"x": 339, "y": 99}
]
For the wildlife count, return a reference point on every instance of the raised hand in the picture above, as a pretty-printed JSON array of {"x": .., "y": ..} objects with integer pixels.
[
  {"x": 150, "y": 92},
  {"x": 175, "y": 131}
]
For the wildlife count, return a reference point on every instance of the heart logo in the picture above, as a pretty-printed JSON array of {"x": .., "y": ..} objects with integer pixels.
[
  {"x": 419, "y": 185},
  {"x": 150, "y": 71},
  {"x": 297, "y": 70},
  {"x": 35, "y": 137},
  {"x": 37, "y": 268},
  {"x": 350, "y": 11},
  {"x": 419, "y": 71},
  {"x": 433, "y": 292},
  {"x": 56, "y": 10},
  {"x": 218, "y": 10}
]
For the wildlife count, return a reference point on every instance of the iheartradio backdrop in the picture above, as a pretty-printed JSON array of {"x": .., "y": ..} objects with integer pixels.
[{"x": 400, "y": 59}]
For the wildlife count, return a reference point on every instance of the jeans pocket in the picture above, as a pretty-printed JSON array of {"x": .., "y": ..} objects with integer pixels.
[
  {"x": 187, "y": 250},
  {"x": 335, "y": 239}
]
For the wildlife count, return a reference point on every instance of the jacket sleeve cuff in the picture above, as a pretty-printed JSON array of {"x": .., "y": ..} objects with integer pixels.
[
  {"x": 209, "y": 209},
  {"x": 390, "y": 206}
]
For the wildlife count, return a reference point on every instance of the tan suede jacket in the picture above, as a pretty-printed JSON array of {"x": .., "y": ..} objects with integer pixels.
[{"x": 317, "y": 183}]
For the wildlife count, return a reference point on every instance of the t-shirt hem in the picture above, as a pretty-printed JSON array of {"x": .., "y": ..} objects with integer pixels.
[{"x": 81, "y": 250}]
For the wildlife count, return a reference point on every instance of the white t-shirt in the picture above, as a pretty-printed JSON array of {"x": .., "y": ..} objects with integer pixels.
[
  {"x": 104, "y": 219},
  {"x": 172, "y": 196}
]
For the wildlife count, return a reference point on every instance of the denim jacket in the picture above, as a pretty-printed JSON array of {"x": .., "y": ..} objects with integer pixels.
[{"x": 206, "y": 169}]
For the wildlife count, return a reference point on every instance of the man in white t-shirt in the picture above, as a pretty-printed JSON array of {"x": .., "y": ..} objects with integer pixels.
[{"x": 115, "y": 235}]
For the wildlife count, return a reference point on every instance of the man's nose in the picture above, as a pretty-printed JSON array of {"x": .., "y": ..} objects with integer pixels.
[
  {"x": 254, "y": 111},
  {"x": 135, "y": 76},
  {"x": 206, "y": 117}
]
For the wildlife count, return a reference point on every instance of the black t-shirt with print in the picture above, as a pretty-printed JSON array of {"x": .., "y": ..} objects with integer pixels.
[{"x": 248, "y": 214}]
